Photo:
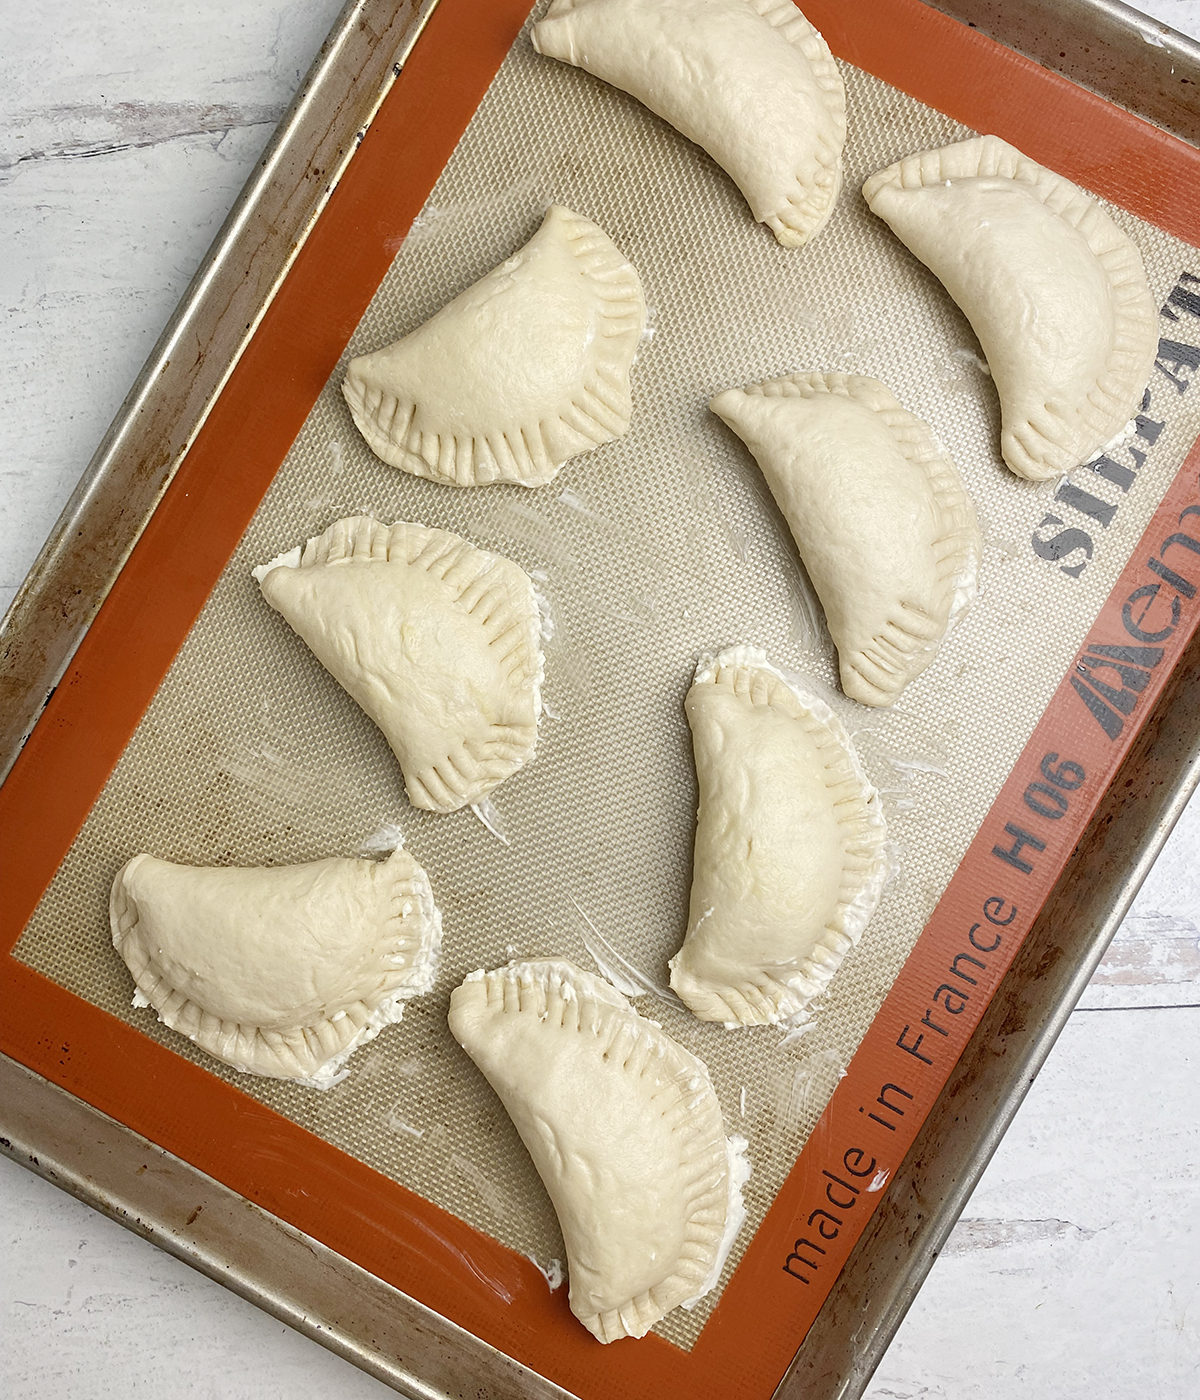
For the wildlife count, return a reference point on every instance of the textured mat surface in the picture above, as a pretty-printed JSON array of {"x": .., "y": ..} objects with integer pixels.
[{"x": 651, "y": 549}]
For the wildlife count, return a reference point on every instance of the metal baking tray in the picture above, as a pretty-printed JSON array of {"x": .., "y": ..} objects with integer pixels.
[{"x": 269, "y": 1261}]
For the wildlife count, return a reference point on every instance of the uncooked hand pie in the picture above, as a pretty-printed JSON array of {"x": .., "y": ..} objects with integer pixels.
[
  {"x": 439, "y": 642},
  {"x": 281, "y": 971},
  {"x": 790, "y": 845},
  {"x": 879, "y": 514},
  {"x": 1056, "y": 293},
  {"x": 625, "y": 1130},
  {"x": 751, "y": 81},
  {"x": 525, "y": 369}
]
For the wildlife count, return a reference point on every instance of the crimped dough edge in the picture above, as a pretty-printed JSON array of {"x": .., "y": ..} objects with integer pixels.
[
  {"x": 1117, "y": 393},
  {"x": 806, "y": 211},
  {"x": 480, "y": 583},
  {"x": 763, "y": 999},
  {"x": 909, "y": 648},
  {"x": 558, "y": 995},
  {"x": 313, "y": 1055},
  {"x": 527, "y": 453}
]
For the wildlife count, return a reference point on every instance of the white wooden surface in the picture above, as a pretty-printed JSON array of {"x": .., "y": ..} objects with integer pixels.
[{"x": 126, "y": 130}]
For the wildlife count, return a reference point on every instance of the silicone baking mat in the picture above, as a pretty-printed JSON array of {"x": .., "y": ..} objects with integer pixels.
[{"x": 650, "y": 550}]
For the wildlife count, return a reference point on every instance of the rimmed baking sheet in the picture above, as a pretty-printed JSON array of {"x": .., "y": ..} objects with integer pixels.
[{"x": 663, "y": 544}]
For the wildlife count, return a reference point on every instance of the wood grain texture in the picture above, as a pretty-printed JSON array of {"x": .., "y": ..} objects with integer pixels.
[
  {"x": 124, "y": 142},
  {"x": 125, "y": 134}
]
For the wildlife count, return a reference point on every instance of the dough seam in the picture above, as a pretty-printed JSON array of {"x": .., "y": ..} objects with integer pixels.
[
  {"x": 529, "y": 453},
  {"x": 641, "y": 1050},
  {"x": 477, "y": 582},
  {"x": 1049, "y": 445},
  {"x": 746, "y": 673},
  {"x": 313, "y": 1053},
  {"x": 884, "y": 666},
  {"x": 805, "y": 215},
  {"x": 797, "y": 202}
]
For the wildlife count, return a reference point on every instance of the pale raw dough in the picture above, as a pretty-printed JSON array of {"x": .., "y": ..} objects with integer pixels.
[
  {"x": 1056, "y": 293},
  {"x": 439, "y": 642},
  {"x": 751, "y": 81},
  {"x": 525, "y": 369},
  {"x": 624, "y": 1128},
  {"x": 878, "y": 511},
  {"x": 790, "y": 845},
  {"x": 280, "y": 971}
]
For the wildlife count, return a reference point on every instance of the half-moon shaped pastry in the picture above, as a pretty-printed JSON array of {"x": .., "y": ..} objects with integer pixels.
[
  {"x": 751, "y": 81},
  {"x": 625, "y": 1130},
  {"x": 879, "y": 513},
  {"x": 526, "y": 368},
  {"x": 280, "y": 971},
  {"x": 790, "y": 859},
  {"x": 439, "y": 642},
  {"x": 1056, "y": 293}
]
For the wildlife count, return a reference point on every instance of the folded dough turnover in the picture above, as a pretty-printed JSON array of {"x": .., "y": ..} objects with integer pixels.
[
  {"x": 1056, "y": 293},
  {"x": 526, "y": 368},
  {"x": 790, "y": 858},
  {"x": 879, "y": 514},
  {"x": 439, "y": 642},
  {"x": 625, "y": 1130},
  {"x": 751, "y": 81},
  {"x": 280, "y": 971}
]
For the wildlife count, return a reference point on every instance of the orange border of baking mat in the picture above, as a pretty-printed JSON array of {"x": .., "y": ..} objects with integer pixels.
[{"x": 367, "y": 1217}]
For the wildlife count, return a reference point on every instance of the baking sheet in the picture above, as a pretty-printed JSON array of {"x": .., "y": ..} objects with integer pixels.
[{"x": 664, "y": 544}]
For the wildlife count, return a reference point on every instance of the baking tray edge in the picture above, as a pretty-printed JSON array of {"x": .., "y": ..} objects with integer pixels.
[
  {"x": 196, "y": 353},
  {"x": 294, "y": 1277},
  {"x": 1103, "y": 45},
  {"x": 425, "y": 1356},
  {"x": 1034, "y": 1002}
]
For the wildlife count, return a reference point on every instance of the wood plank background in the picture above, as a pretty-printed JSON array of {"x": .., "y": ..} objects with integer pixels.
[{"x": 126, "y": 131}]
